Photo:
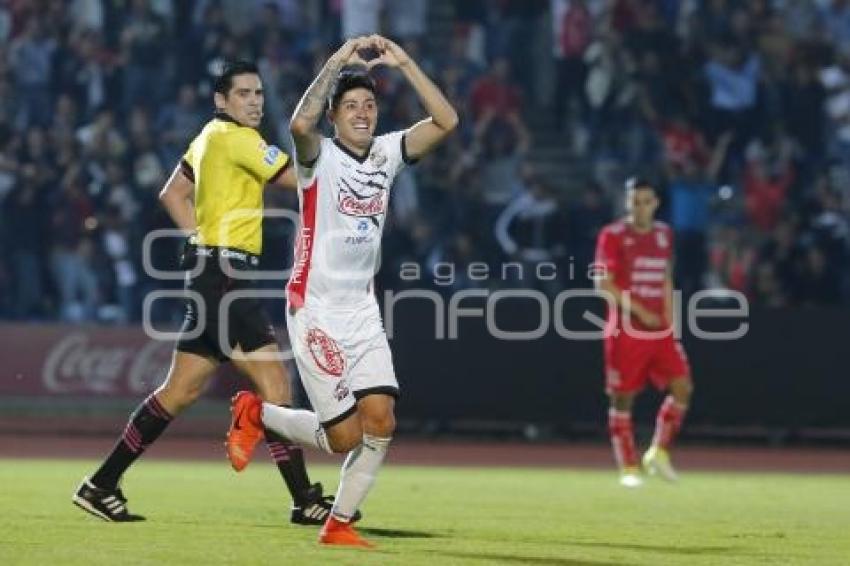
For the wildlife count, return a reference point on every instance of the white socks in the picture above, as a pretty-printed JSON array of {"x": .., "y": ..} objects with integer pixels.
[
  {"x": 361, "y": 465},
  {"x": 358, "y": 475},
  {"x": 298, "y": 426}
]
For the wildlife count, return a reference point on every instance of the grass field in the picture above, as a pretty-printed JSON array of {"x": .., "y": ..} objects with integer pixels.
[{"x": 202, "y": 513}]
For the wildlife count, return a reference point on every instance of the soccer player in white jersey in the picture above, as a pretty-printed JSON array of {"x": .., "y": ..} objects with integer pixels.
[{"x": 333, "y": 320}]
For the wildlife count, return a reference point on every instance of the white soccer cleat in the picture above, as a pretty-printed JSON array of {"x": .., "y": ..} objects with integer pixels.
[
  {"x": 630, "y": 478},
  {"x": 657, "y": 461}
]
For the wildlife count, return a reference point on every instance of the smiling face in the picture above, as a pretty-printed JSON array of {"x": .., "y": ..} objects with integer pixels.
[
  {"x": 355, "y": 118},
  {"x": 244, "y": 101}
]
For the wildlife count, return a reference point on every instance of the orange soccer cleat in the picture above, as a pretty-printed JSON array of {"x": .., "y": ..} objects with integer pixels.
[
  {"x": 343, "y": 534},
  {"x": 246, "y": 428}
]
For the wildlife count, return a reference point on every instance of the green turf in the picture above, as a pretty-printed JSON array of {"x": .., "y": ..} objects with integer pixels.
[{"x": 202, "y": 513}]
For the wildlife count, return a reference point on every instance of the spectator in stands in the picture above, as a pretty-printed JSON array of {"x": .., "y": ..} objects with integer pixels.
[
  {"x": 73, "y": 255},
  {"x": 116, "y": 243},
  {"x": 360, "y": 17},
  {"x": 501, "y": 146},
  {"x": 495, "y": 96},
  {"x": 801, "y": 20},
  {"x": 24, "y": 225},
  {"x": 780, "y": 266},
  {"x": 573, "y": 27},
  {"x": 144, "y": 46},
  {"x": 584, "y": 219},
  {"x": 692, "y": 186},
  {"x": 836, "y": 80},
  {"x": 30, "y": 59},
  {"x": 529, "y": 230},
  {"x": 5, "y": 24},
  {"x": 733, "y": 74},
  {"x": 836, "y": 20},
  {"x": 767, "y": 178},
  {"x": 85, "y": 72},
  {"x": 610, "y": 92},
  {"x": 803, "y": 111},
  {"x": 87, "y": 14},
  {"x": 178, "y": 123},
  {"x": 732, "y": 260},
  {"x": 407, "y": 19},
  {"x": 102, "y": 136}
]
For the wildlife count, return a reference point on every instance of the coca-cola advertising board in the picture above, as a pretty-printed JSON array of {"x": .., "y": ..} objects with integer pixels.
[{"x": 65, "y": 360}]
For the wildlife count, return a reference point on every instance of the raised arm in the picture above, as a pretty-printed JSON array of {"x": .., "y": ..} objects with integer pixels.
[
  {"x": 305, "y": 119},
  {"x": 423, "y": 136}
]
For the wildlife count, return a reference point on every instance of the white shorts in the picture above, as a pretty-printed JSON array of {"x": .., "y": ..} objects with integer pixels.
[{"x": 342, "y": 356}]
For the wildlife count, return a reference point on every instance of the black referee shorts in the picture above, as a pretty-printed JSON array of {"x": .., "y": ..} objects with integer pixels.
[{"x": 244, "y": 321}]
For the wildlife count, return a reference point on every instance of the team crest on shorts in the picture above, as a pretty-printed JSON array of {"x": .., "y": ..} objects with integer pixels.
[{"x": 326, "y": 352}]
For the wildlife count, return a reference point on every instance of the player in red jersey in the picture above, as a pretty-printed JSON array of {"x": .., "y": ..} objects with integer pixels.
[{"x": 634, "y": 258}]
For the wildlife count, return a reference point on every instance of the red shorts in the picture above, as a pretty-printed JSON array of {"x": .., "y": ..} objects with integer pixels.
[{"x": 630, "y": 362}]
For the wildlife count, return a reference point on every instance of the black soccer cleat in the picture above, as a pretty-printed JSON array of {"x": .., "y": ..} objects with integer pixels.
[
  {"x": 108, "y": 504},
  {"x": 316, "y": 508}
]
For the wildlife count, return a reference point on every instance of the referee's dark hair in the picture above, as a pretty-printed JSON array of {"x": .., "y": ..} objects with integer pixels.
[
  {"x": 635, "y": 183},
  {"x": 224, "y": 82},
  {"x": 350, "y": 78}
]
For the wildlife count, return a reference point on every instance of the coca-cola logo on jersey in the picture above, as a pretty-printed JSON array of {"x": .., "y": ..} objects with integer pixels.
[
  {"x": 352, "y": 206},
  {"x": 364, "y": 194},
  {"x": 78, "y": 364}
]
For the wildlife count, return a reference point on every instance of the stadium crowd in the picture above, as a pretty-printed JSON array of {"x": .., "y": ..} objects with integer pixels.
[{"x": 738, "y": 110}]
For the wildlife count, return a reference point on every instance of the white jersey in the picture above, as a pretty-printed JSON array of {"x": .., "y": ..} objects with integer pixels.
[{"x": 343, "y": 200}]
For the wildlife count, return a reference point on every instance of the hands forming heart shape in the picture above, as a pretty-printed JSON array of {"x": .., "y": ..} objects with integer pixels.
[{"x": 371, "y": 51}]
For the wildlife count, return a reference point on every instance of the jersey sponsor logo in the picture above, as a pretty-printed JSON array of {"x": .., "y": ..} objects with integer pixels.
[
  {"x": 355, "y": 240},
  {"x": 352, "y": 206},
  {"x": 302, "y": 254},
  {"x": 326, "y": 352},
  {"x": 230, "y": 254},
  {"x": 368, "y": 200},
  {"x": 363, "y": 237}
]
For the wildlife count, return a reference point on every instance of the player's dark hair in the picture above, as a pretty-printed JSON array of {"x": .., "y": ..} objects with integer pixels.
[
  {"x": 224, "y": 82},
  {"x": 636, "y": 183},
  {"x": 349, "y": 79}
]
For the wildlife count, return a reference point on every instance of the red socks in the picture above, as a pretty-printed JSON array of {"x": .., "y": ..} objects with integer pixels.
[
  {"x": 668, "y": 422},
  {"x": 622, "y": 438}
]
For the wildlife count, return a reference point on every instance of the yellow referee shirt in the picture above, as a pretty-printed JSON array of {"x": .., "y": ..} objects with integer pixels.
[{"x": 230, "y": 164}]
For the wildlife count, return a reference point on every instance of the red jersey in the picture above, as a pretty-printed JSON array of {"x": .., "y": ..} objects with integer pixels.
[{"x": 637, "y": 262}]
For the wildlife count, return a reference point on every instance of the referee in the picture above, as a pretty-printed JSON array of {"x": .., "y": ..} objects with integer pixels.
[{"x": 215, "y": 195}]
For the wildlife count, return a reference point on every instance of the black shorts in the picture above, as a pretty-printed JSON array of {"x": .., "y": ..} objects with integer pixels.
[{"x": 244, "y": 323}]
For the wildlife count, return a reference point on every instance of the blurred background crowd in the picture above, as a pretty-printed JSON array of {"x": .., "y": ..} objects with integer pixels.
[{"x": 739, "y": 111}]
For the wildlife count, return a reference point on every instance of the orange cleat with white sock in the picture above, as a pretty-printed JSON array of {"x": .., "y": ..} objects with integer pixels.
[
  {"x": 246, "y": 428},
  {"x": 340, "y": 533}
]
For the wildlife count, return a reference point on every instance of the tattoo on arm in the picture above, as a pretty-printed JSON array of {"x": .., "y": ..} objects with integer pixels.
[{"x": 312, "y": 103}]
